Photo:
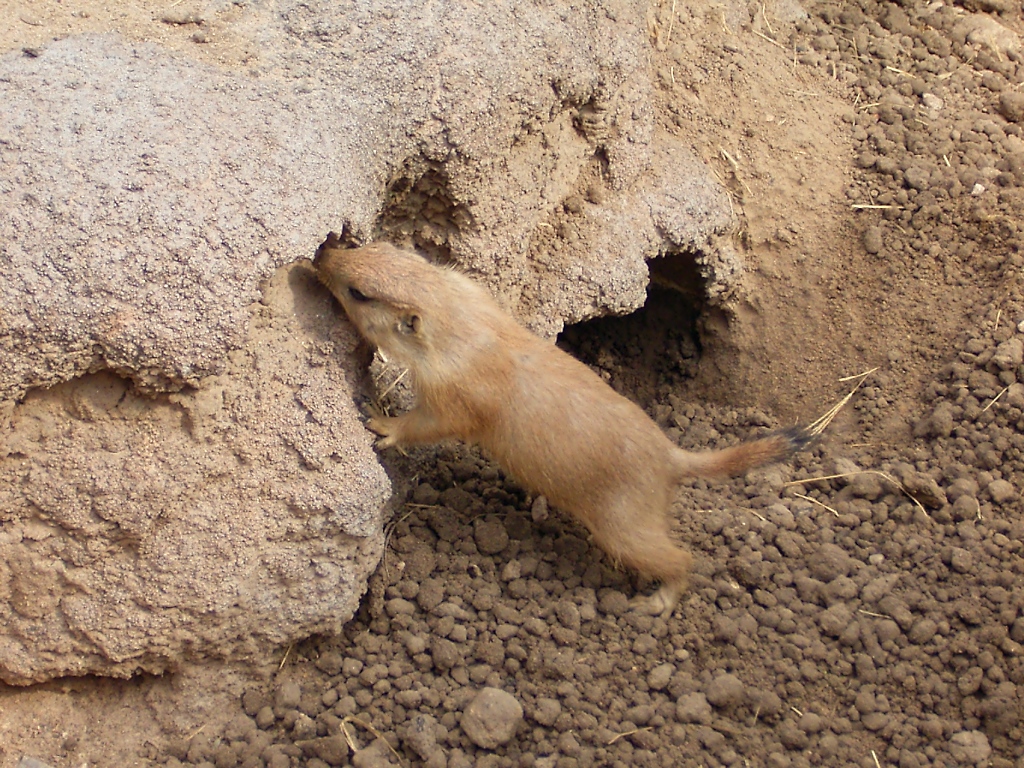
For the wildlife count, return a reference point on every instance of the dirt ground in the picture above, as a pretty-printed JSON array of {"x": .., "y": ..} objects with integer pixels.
[{"x": 863, "y": 605}]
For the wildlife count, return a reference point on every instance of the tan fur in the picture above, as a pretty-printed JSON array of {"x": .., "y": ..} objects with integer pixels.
[{"x": 545, "y": 417}]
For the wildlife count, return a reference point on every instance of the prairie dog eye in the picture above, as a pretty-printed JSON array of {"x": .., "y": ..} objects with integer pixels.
[{"x": 357, "y": 295}]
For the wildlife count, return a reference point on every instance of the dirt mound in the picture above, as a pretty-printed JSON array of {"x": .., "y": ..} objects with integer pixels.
[{"x": 874, "y": 613}]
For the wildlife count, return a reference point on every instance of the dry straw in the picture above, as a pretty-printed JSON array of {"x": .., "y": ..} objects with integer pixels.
[
  {"x": 818, "y": 426},
  {"x": 365, "y": 725}
]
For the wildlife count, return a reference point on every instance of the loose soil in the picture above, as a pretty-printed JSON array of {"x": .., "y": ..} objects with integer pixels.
[{"x": 861, "y": 606}]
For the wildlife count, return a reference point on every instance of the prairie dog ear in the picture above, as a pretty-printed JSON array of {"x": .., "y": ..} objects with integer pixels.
[{"x": 409, "y": 325}]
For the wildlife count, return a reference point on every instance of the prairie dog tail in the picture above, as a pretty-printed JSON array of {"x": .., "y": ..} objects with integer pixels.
[{"x": 729, "y": 462}]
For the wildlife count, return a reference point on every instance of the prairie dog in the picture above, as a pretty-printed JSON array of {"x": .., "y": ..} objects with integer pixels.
[{"x": 547, "y": 418}]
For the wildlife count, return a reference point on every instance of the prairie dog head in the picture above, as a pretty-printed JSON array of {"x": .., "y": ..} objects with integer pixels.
[{"x": 378, "y": 286}]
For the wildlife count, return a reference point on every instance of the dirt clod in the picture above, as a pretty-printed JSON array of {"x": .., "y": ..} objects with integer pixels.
[{"x": 492, "y": 718}]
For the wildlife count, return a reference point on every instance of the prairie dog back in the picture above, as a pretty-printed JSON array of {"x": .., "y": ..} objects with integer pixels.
[{"x": 545, "y": 417}]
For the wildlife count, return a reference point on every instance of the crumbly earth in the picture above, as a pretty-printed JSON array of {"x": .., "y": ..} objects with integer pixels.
[{"x": 872, "y": 618}]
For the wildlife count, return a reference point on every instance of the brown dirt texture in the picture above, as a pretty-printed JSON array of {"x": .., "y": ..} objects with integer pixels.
[{"x": 863, "y": 605}]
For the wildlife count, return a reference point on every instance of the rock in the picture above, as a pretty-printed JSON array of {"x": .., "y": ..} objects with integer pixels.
[
  {"x": 612, "y": 602},
  {"x": 659, "y": 677},
  {"x": 421, "y": 735},
  {"x": 724, "y": 629},
  {"x": 792, "y": 737},
  {"x": 725, "y": 691},
  {"x": 546, "y": 711},
  {"x": 639, "y": 715},
  {"x": 878, "y": 588},
  {"x": 693, "y": 708},
  {"x": 31, "y": 762},
  {"x": 922, "y": 631},
  {"x": 969, "y": 682},
  {"x": 377, "y": 755},
  {"x": 163, "y": 589},
  {"x": 829, "y": 562},
  {"x": 396, "y": 606},
  {"x": 961, "y": 561},
  {"x": 568, "y": 615},
  {"x": 712, "y": 740},
  {"x": 790, "y": 543},
  {"x": 835, "y": 620},
  {"x": 181, "y": 17},
  {"x": 938, "y": 424},
  {"x": 969, "y": 747},
  {"x": 1010, "y": 353},
  {"x": 986, "y": 32},
  {"x": 917, "y": 177},
  {"x": 288, "y": 695},
  {"x": 445, "y": 653},
  {"x": 965, "y": 508},
  {"x": 1015, "y": 395},
  {"x": 963, "y": 486},
  {"x": 875, "y": 721},
  {"x": 841, "y": 588},
  {"x": 898, "y": 610},
  {"x": 330, "y": 663},
  {"x": 1011, "y": 106},
  {"x": 1001, "y": 491},
  {"x": 867, "y": 485},
  {"x": 1001, "y": 712},
  {"x": 810, "y": 722},
  {"x": 333, "y": 750},
  {"x": 492, "y": 718},
  {"x": 490, "y": 535},
  {"x": 925, "y": 489},
  {"x": 872, "y": 240},
  {"x": 265, "y": 718},
  {"x": 864, "y": 702},
  {"x": 539, "y": 509}
]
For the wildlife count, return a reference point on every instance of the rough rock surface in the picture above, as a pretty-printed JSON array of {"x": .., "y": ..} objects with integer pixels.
[
  {"x": 142, "y": 532},
  {"x": 146, "y": 202},
  {"x": 143, "y": 206}
]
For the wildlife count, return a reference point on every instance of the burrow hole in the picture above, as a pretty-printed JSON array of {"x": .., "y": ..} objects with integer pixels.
[{"x": 655, "y": 351}]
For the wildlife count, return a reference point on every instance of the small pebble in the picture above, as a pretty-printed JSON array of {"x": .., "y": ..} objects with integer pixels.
[{"x": 492, "y": 718}]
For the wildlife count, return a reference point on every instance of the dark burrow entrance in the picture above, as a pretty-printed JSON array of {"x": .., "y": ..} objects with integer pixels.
[{"x": 654, "y": 351}]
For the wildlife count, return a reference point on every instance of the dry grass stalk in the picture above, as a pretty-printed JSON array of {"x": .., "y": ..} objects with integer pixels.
[
  {"x": 671, "y": 23},
  {"x": 818, "y": 426},
  {"x": 393, "y": 384},
  {"x": 618, "y": 736},
  {"x": 815, "y": 501},
  {"x": 883, "y": 475},
  {"x": 873, "y": 614},
  {"x": 993, "y": 400},
  {"x": 762, "y": 518},
  {"x": 767, "y": 24},
  {"x": 284, "y": 659},
  {"x": 765, "y": 37},
  {"x": 735, "y": 168},
  {"x": 365, "y": 726}
]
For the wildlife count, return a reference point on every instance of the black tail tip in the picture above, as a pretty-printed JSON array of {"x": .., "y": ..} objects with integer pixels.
[{"x": 800, "y": 438}]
